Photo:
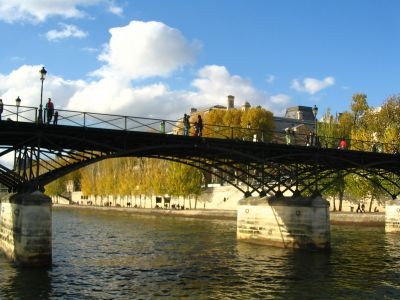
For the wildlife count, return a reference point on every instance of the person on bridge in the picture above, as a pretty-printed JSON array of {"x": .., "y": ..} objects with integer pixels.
[
  {"x": 186, "y": 124},
  {"x": 200, "y": 125},
  {"x": 1, "y": 108},
  {"x": 342, "y": 144},
  {"x": 289, "y": 133},
  {"x": 310, "y": 139},
  {"x": 196, "y": 129},
  {"x": 50, "y": 110},
  {"x": 55, "y": 118}
]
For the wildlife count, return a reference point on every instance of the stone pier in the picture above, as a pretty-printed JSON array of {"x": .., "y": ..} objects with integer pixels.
[
  {"x": 285, "y": 222},
  {"x": 25, "y": 229},
  {"x": 392, "y": 216}
]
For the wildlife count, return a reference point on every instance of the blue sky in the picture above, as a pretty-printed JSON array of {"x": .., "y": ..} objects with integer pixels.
[{"x": 160, "y": 58}]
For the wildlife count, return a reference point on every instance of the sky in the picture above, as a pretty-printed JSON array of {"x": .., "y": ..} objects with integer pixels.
[{"x": 159, "y": 58}]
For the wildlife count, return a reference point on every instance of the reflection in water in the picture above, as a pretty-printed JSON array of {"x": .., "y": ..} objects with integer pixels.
[
  {"x": 23, "y": 283},
  {"x": 115, "y": 256}
]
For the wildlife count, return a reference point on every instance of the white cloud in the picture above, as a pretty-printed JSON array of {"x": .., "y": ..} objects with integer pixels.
[
  {"x": 145, "y": 49},
  {"x": 312, "y": 85},
  {"x": 67, "y": 31},
  {"x": 36, "y": 11},
  {"x": 214, "y": 83},
  {"x": 281, "y": 99},
  {"x": 133, "y": 53},
  {"x": 118, "y": 96},
  {"x": 116, "y": 10},
  {"x": 25, "y": 83}
]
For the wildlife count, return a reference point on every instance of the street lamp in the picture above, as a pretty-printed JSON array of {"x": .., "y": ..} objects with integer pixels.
[
  {"x": 43, "y": 73},
  {"x": 315, "y": 112},
  {"x": 18, "y": 103}
]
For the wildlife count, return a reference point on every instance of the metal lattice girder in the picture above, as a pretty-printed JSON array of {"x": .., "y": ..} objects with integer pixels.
[{"x": 44, "y": 153}]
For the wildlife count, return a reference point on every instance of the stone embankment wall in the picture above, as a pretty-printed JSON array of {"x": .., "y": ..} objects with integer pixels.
[
  {"x": 336, "y": 218},
  {"x": 370, "y": 219}
]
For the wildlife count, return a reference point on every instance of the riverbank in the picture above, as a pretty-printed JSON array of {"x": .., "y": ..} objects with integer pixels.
[{"x": 337, "y": 218}]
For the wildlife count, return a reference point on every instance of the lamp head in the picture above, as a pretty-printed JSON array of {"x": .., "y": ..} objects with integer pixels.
[
  {"x": 43, "y": 73},
  {"x": 315, "y": 111},
  {"x": 18, "y": 101}
]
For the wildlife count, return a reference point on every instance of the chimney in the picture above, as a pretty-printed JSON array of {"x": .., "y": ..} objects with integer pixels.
[
  {"x": 246, "y": 106},
  {"x": 231, "y": 102}
]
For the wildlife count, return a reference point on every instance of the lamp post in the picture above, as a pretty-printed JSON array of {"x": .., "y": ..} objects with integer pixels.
[
  {"x": 315, "y": 112},
  {"x": 18, "y": 103},
  {"x": 316, "y": 140},
  {"x": 43, "y": 73}
]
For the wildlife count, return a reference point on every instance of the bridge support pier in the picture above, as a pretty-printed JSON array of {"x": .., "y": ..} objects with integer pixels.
[
  {"x": 25, "y": 229},
  {"x": 285, "y": 222},
  {"x": 392, "y": 216}
]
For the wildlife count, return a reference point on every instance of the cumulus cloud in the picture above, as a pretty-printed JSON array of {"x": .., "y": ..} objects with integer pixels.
[
  {"x": 25, "y": 83},
  {"x": 145, "y": 49},
  {"x": 36, "y": 11},
  {"x": 118, "y": 96},
  {"x": 214, "y": 82},
  {"x": 67, "y": 31},
  {"x": 312, "y": 85},
  {"x": 139, "y": 50}
]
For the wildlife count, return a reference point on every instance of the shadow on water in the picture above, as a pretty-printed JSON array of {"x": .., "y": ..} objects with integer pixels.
[
  {"x": 364, "y": 263},
  {"x": 23, "y": 283},
  {"x": 272, "y": 273}
]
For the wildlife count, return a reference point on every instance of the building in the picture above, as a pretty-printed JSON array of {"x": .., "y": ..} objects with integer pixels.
[{"x": 295, "y": 116}]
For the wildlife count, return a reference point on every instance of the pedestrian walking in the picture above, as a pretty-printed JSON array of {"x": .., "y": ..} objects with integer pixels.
[{"x": 50, "y": 110}]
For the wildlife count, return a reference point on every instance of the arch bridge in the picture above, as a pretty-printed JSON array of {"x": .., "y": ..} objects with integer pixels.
[{"x": 255, "y": 162}]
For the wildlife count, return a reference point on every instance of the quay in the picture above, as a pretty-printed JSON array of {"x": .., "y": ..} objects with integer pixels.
[{"x": 336, "y": 218}]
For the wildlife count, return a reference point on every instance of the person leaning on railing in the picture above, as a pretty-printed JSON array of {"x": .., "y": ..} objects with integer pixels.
[{"x": 342, "y": 144}]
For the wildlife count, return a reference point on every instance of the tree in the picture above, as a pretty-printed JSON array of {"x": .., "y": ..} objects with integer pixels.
[
  {"x": 214, "y": 124},
  {"x": 359, "y": 106}
]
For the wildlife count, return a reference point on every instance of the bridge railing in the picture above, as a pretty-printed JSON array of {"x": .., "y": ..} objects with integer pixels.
[
  {"x": 19, "y": 113},
  {"x": 165, "y": 126}
]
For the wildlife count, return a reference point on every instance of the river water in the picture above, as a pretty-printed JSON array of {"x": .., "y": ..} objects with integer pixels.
[{"x": 106, "y": 255}]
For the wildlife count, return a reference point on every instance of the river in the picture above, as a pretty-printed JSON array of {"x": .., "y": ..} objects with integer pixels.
[{"x": 106, "y": 255}]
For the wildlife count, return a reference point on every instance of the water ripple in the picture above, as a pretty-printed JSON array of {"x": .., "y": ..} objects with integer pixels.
[{"x": 106, "y": 256}]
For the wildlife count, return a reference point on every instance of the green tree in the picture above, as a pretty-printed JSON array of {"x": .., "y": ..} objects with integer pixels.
[
  {"x": 359, "y": 107},
  {"x": 261, "y": 121}
]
